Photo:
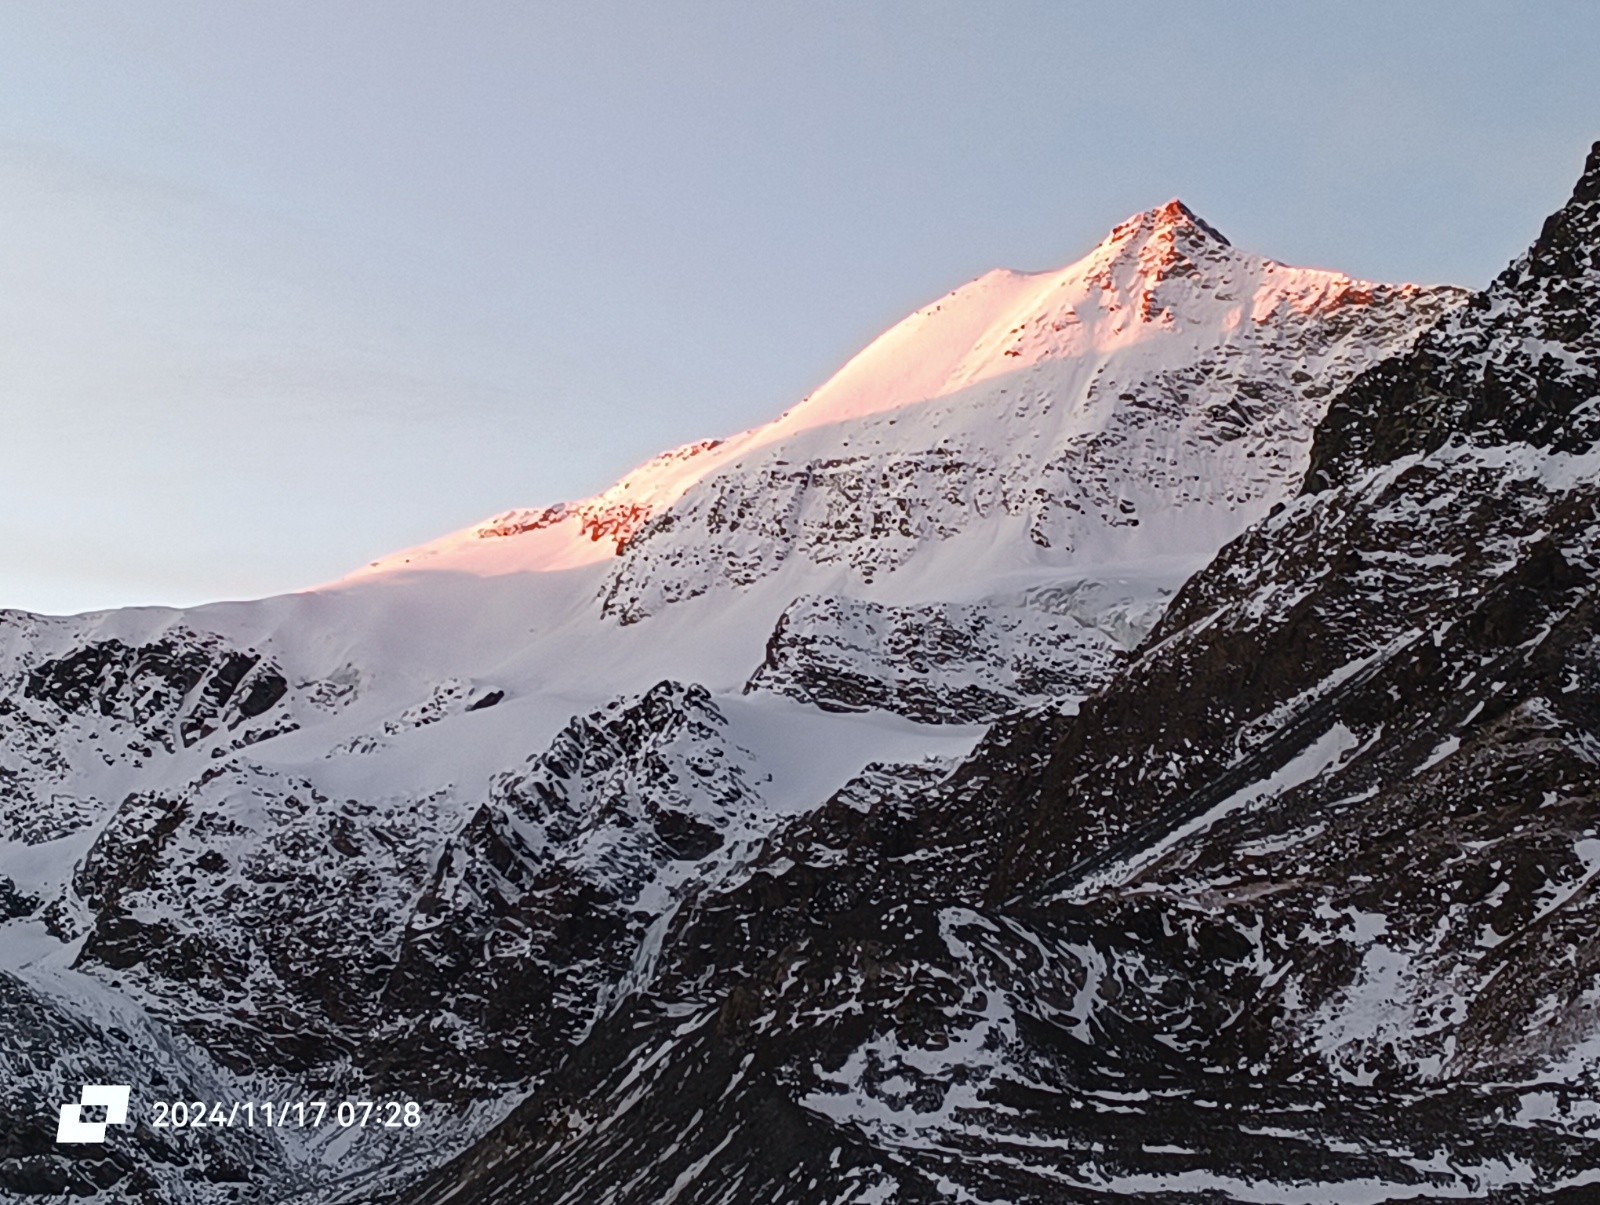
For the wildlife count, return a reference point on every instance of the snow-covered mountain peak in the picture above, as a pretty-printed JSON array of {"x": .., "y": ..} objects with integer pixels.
[
  {"x": 1173, "y": 229},
  {"x": 1006, "y": 321},
  {"x": 1163, "y": 292}
]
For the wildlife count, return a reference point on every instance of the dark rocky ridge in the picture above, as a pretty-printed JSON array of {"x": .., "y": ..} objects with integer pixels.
[
  {"x": 349, "y": 934},
  {"x": 145, "y": 685},
  {"x": 1518, "y": 363},
  {"x": 141, "y": 704},
  {"x": 1307, "y": 895},
  {"x": 543, "y": 895}
]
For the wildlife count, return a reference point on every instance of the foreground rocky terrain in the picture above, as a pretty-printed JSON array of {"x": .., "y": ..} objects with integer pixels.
[{"x": 1132, "y": 734}]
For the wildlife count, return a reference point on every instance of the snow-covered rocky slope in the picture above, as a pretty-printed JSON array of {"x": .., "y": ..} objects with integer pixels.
[
  {"x": 423, "y": 832},
  {"x": 1300, "y": 906}
]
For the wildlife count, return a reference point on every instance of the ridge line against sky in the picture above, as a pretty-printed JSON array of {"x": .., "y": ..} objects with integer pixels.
[{"x": 289, "y": 287}]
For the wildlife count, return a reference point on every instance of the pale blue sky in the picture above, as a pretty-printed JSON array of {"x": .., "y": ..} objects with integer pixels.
[{"x": 287, "y": 286}]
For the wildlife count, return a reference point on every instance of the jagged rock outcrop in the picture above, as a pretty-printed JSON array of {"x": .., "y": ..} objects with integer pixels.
[
  {"x": 286, "y": 930},
  {"x": 548, "y": 891},
  {"x": 110, "y": 702},
  {"x": 1517, "y": 364},
  {"x": 938, "y": 664}
]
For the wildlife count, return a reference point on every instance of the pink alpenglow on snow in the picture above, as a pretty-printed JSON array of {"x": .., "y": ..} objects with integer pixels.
[{"x": 1128, "y": 362}]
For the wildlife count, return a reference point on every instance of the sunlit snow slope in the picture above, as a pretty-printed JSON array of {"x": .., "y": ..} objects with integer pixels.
[
  {"x": 1068, "y": 444},
  {"x": 1150, "y": 400}
]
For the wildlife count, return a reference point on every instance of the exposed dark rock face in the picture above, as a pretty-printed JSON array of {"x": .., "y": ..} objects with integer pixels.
[
  {"x": 547, "y": 892},
  {"x": 15, "y": 903},
  {"x": 1517, "y": 364},
  {"x": 945, "y": 664},
  {"x": 282, "y": 929},
  {"x": 256, "y": 914},
  {"x": 1302, "y": 905},
  {"x": 172, "y": 688},
  {"x": 129, "y": 706}
]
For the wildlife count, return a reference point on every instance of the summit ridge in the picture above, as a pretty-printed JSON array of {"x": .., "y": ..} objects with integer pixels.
[{"x": 1172, "y": 219}]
